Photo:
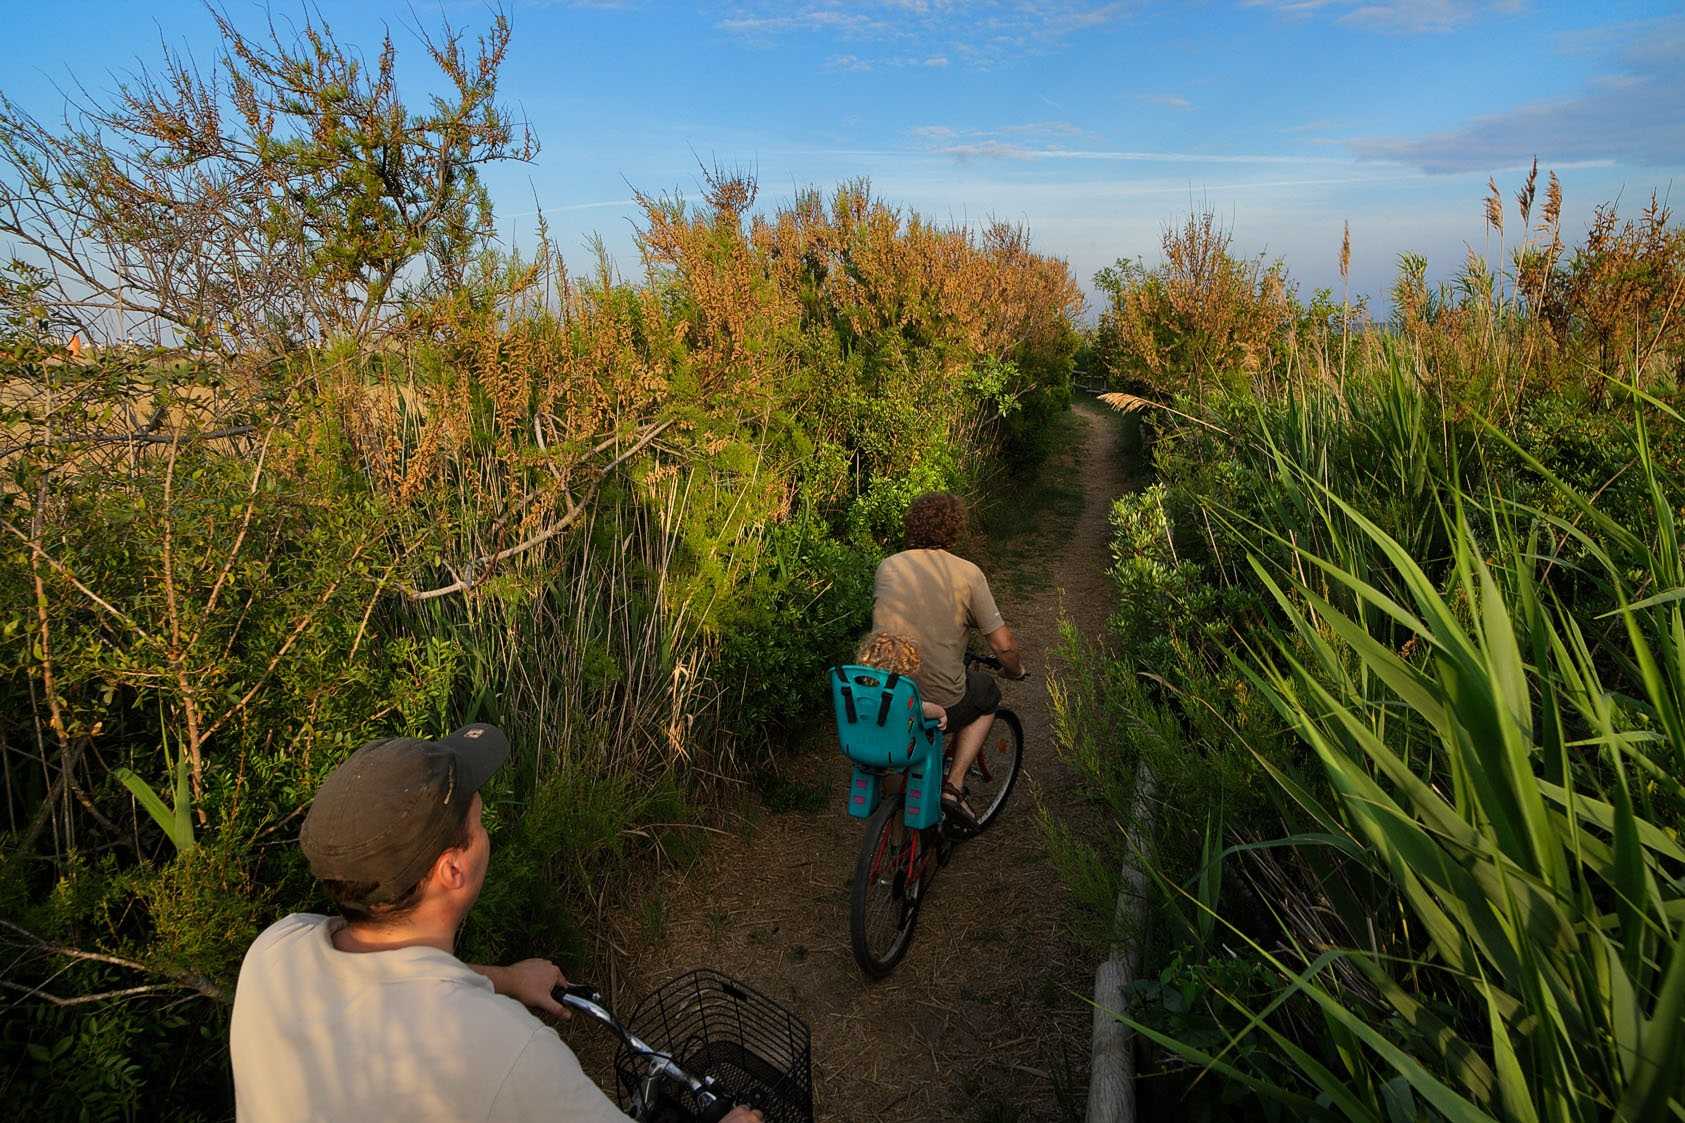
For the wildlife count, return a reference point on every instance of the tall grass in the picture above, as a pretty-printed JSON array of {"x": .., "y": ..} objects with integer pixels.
[
  {"x": 1399, "y": 640},
  {"x": 1525, "y": 811}
]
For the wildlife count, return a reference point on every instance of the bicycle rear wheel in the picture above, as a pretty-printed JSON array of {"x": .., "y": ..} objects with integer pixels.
[
  {"x": 991, "y": 777},
  {"x": 884, "y": 901}
]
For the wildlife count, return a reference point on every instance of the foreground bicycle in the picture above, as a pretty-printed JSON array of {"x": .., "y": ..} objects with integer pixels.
[
  {"x": 712, "y": 1044},
  {"x": 881, "y": 727}
]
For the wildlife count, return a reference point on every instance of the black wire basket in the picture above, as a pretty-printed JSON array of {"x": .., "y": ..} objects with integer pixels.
[{"x": 758, "y": 1053}]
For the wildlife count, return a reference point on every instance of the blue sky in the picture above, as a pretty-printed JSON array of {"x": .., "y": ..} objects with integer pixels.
[{"x": 1094, "y": 123}]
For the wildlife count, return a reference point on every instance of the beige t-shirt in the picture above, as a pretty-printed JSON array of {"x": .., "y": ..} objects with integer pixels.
[
  {"x": 932, "y": 597},
  {"x": 411, "y": 1034}
]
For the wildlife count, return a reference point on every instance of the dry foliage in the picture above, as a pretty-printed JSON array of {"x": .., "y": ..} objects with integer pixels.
[
  {"x": 1549, "y": 317},
  {"x": 1200, "y": 317}
]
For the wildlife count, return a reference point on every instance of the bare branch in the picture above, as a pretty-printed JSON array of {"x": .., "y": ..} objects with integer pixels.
[{"x": 475, "y": 571}]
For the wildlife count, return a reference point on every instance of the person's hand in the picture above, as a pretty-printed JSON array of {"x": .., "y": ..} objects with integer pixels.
[
  {"x": 941, "y": 718},
  {"x": 744, "y": 1115},
  {"x": 529, "y": 982}
]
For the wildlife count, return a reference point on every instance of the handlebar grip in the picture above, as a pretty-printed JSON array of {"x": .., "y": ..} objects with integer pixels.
[
  {"x": 717, "y": 1111},
  {"x": 576, "y": 990}
]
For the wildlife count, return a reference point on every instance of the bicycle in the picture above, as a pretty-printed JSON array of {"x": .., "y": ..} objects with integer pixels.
[
  {"x": 907, "y": 835},
  {"x": 717, "y": 1044}
]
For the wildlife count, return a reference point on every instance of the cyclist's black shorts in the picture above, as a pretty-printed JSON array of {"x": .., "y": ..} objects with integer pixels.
[{"x": 982, "y": 696}]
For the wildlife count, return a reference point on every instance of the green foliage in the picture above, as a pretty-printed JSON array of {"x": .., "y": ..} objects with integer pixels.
[
  {"x": 289, "y": 196},
  {"x": 1546, "y": 899},
  {"x": 551, "y": 852},
  {"x": 806, "y": 605},
  {"x": 1406, "y": 655},
  {"x": 176, "y": 818},
  {"x": 629, "y": 522}
]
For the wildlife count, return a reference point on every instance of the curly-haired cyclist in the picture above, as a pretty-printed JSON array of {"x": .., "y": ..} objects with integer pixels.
[{"x": 934, "y": 598}]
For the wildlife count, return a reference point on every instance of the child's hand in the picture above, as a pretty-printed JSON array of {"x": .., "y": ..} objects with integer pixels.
[{"x": 931, "y": 709}]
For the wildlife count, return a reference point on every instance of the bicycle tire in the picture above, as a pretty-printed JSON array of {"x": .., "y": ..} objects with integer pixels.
[
  {"x": 994, "y": 773},
  {"x": 882, "y": 892}
]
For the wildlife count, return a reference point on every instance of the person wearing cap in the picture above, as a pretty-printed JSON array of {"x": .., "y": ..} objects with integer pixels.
[{"x": 370, "y": 1015}]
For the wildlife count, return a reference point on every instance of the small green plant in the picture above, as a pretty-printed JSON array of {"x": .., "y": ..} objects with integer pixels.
[{"x": 176, "y": 819}]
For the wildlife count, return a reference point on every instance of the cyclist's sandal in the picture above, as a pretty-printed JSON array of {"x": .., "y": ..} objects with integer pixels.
[{"x": 955, "y": 806}]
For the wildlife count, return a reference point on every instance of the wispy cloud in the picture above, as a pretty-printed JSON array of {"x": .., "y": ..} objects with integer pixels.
[
  {"x": 1404, "y": 17},
  {"x": 945, "y": 138},
  {"x": 1635, "y": 115},
  {"x": 1002, "y": 150},
  {"x": 937, "y": 32},
  {"x": 818, "y": 18},
  {"x": 563, "y": 208},
  {"x": 1169, "y": 101},
  {"x": 1321, "y": 125},
  {"x": 1042, "y": 128},
  {"x": 859, "y": 64}
]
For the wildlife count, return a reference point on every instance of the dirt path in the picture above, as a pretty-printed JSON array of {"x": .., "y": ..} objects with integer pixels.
[{"x": 986, "y": 1019}]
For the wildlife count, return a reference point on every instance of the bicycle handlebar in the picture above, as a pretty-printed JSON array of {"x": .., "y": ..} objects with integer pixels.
[
  {"x": 994, "y": 663},
  {"x": 586, "y": 999}
]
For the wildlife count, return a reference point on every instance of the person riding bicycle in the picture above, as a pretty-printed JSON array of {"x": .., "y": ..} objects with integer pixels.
[
  {"x": 370, "y": 1015},
  {"x": 934, "y": 598}
]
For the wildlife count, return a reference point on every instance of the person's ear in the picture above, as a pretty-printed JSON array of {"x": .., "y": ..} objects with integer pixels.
[{"x": 450, "y": 870}]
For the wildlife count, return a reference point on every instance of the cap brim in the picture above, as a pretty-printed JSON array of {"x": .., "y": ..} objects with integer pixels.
[{"x": 480, "y": 750}]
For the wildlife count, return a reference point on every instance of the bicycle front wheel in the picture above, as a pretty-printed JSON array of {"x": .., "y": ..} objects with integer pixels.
[
  {"x": 991, "y": 777},
  {"x": 884, "y": 900}
]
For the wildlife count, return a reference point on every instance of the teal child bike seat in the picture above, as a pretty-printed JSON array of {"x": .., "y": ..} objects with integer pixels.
[{"x": 881, "y": 727}]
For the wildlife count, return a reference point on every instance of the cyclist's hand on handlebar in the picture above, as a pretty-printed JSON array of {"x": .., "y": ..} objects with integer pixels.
[
  {"x": 530, "y": 982},
  {"x": 744, "y": 1115}
]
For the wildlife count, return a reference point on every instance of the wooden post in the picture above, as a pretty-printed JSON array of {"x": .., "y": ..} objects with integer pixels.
[{"x": 1111, "y": 1072}]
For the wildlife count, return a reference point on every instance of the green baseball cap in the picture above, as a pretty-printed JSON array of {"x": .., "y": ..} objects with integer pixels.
[{"x": 393, "y": 806}]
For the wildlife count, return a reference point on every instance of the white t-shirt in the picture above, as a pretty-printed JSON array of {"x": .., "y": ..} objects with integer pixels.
[{"x": 411, "y": 1034}]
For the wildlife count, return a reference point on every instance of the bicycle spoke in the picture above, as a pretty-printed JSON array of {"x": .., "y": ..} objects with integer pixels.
[
  {"x": 991, "y": 777},
  {"x": 884, "y": 903}
]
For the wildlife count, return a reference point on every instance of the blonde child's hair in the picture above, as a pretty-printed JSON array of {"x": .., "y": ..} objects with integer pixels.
[{"x": 890, "y": 652}]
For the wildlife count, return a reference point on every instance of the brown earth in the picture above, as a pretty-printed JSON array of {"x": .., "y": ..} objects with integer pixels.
[{"x": 986, "y": 1020}]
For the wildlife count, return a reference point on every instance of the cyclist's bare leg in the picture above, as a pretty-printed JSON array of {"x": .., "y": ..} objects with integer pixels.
[{"x": 967, "y": 744}]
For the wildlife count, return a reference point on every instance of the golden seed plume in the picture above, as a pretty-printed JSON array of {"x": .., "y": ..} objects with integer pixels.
[
  {"x": 1553, "y": 201},
  {"x": 1524, "y": 197},
  {"x": 1494, "y": 206},
  {"x": 1346, "y": 253},
  {"x": 1126, "y": 403}
]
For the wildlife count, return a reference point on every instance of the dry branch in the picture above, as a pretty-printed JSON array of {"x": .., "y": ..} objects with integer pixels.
[{"x": 475, "y": 571}]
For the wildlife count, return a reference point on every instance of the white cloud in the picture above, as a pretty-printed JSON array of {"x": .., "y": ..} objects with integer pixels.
[
  {"x": 1635, "y": 116},
  {"x": 1169, "y": 101},
  {"x": 1405, "y": 17},
  {"x": 847, "y": 62},
  {"x": 1042, "y": 128},
  {"x": 969, "y": 143},
  {"x": 939, "y": 32},
  {"x": 1002, "y": 150}
]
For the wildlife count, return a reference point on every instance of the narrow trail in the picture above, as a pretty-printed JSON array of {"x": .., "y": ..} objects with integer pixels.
[{"x": 986, "y": 1019}]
